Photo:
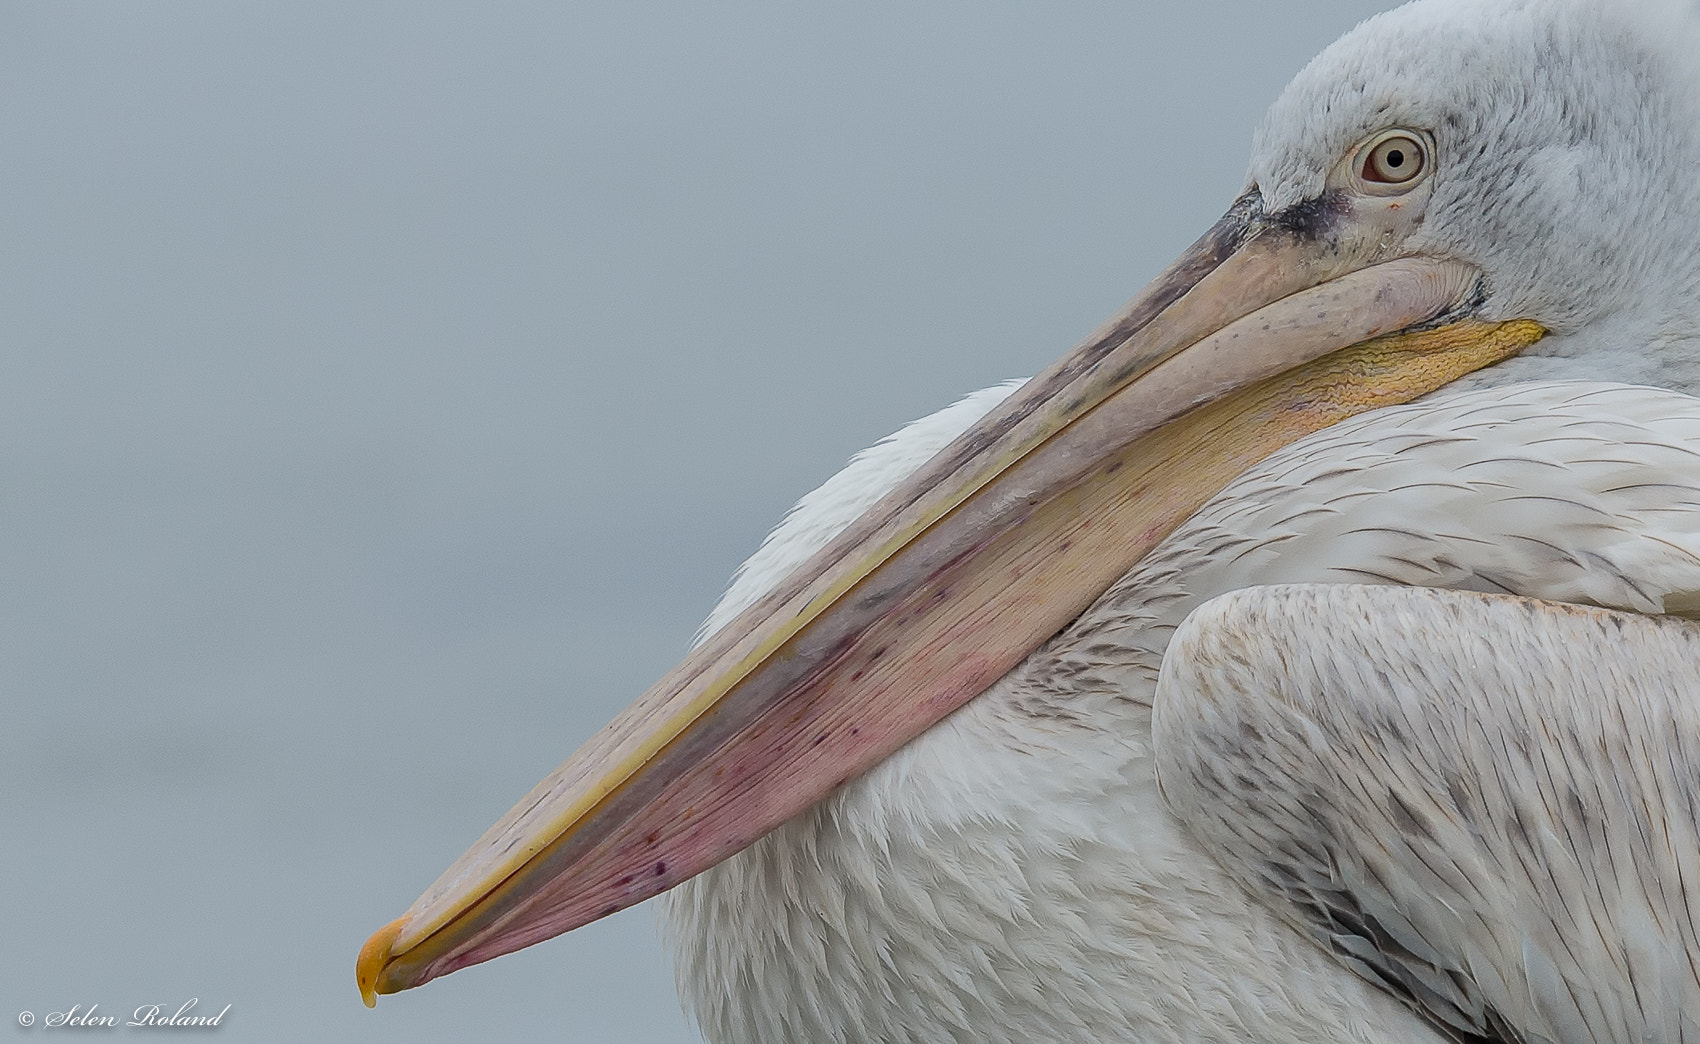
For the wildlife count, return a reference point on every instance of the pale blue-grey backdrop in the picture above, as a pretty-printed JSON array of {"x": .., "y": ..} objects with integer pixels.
[{"x": 387, "y": 389}]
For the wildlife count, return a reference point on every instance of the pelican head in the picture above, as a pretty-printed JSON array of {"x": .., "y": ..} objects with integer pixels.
[
  {"x": 1431, "y": 195},
  {"x": 1565, "y": 145}
]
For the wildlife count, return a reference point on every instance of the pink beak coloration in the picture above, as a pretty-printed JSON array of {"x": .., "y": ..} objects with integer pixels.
[{"x": 1259, "y": 334}]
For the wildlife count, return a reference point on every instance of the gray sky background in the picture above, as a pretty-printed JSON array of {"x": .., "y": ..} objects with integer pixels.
[{"x": 387, "y": 390}]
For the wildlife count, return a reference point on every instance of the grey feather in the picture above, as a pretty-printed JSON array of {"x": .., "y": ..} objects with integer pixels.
[{"x": 1497, "y": 796}]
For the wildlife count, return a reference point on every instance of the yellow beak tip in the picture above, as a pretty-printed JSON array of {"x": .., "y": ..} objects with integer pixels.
[{"x": 369, "y": 967}]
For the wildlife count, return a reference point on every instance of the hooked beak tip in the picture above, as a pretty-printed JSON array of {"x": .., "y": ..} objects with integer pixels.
[{"x": 374, "y": 956}]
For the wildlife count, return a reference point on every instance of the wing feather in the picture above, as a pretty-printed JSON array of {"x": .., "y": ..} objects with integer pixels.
[{"x": 1485, "y": 804}]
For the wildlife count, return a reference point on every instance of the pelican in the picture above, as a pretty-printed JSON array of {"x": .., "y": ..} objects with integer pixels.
[{"x": 1303, "y": 657}]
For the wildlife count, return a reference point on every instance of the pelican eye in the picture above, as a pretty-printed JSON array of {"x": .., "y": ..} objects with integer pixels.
[{"x": 1392, "y": 161}]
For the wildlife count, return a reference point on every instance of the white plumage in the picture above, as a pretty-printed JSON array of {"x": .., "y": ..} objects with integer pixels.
[{"x": 1013, "y": 874}]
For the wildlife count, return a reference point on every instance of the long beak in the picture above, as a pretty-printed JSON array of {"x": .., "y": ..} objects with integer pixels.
[{"x": 1266, "y": 329}]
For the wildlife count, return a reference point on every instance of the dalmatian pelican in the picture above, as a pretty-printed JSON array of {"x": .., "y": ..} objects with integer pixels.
[{"x": 1303, "y": 657}]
